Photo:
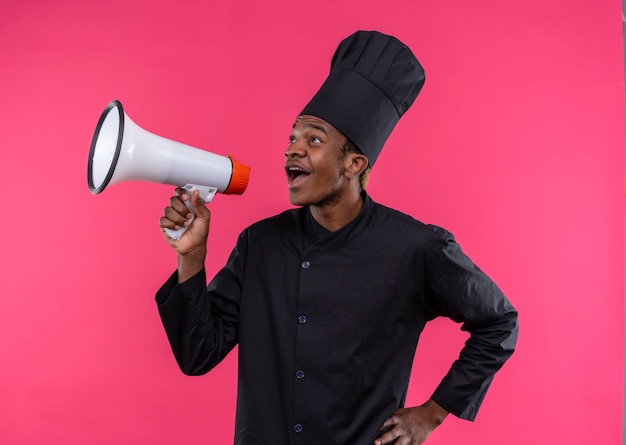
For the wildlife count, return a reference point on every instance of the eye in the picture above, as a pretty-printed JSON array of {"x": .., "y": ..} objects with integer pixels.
[
  {"x": 316, "y": 140},
  {"x": 292, "y": 139}
]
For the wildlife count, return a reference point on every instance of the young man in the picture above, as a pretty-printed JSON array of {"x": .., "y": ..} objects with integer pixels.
[{"x": 327, "y": 301}]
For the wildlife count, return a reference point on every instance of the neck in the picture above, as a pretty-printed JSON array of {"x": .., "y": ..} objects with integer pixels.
[{"x": 334, "y": 216}]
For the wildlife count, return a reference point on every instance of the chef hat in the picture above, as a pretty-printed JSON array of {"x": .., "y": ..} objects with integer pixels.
[{"x": 374, "y": 78}]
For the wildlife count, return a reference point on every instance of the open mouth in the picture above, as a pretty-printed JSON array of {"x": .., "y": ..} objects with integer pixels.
[{"x": 293, "y": 173}]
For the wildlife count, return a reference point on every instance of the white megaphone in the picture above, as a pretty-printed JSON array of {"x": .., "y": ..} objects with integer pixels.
[{"x": 123, "y": 151}]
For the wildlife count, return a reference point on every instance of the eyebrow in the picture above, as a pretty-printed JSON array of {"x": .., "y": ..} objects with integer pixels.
[
  {"x": 314, "y": 126},
  {"x": 317, "y": 127}
]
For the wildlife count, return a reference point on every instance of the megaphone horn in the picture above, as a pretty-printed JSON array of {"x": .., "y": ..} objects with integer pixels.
[{"x": 123, "y": 151}]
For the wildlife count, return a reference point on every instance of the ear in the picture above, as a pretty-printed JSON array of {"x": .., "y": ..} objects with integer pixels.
[{"x": 355, "y": 164}]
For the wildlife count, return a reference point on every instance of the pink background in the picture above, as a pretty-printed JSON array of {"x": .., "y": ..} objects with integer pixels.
[{"x": 516, "y": 145}]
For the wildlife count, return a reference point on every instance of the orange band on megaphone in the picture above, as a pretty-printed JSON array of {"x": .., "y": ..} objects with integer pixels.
[{"x": 239, "y": 179}]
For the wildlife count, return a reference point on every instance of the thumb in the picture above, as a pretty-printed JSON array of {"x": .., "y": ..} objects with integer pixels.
[{"x": 198, "y": 205}]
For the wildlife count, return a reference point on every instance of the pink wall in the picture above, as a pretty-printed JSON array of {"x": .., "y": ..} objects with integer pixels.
[{"x": 515, "y": 145}]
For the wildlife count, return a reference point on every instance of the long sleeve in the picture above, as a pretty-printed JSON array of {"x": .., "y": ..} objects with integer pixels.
[
  {"x": 463, "y": 293},
  {"x": 201, "y": 322}
]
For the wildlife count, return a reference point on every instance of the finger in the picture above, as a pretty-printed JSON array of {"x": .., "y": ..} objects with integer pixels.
[
  {"x": 179, "y": 205},
  {"x": 387, "y": 438},
  {"x": 387, "y": 433},
  {"x": 390, "y": 422},
  {"x": 181, "y": 193},
  {"x": 165, "y": 223},
  {"x": 165, "y": 234},
  {"x": 172, "y": 219},
  {"x": 198, "y": 205}
]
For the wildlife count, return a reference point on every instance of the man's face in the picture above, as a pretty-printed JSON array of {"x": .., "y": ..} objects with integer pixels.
[{"x": 315, "y": 163}]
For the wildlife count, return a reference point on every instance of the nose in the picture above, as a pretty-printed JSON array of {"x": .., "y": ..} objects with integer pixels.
[{"x": 295, "y": 149}]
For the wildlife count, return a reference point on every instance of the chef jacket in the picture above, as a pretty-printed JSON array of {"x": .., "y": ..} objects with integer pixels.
[{"x": 327, "y": 324}]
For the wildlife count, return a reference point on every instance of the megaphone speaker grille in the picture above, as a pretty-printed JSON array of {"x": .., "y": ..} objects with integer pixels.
[{"x": 105, "y": 147}]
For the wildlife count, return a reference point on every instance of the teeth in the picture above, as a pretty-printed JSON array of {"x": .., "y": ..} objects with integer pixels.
[{"x": 295, "y": 172}]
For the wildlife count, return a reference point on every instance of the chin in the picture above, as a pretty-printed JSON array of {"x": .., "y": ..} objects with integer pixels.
[
  {"x": 297, "y": 201},
  {"x": 300, "y": 199}
]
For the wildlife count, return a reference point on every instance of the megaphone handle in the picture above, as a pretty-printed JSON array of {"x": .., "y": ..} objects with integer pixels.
[{"x": 206, "y": 193}]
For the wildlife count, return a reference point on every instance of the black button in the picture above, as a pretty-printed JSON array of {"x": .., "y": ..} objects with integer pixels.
[
  {"x": 300, "y": 374},
  {"x": 297, "y": 428},
  {"x": 302, "y": 319},
  {"x": 305, "y": 264}
]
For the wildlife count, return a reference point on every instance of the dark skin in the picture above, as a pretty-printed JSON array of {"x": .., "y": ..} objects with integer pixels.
[{"x": 325, "y": 177}]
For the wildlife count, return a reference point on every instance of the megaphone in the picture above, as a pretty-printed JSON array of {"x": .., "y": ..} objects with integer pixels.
[{"x": 123, "y": 151}]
